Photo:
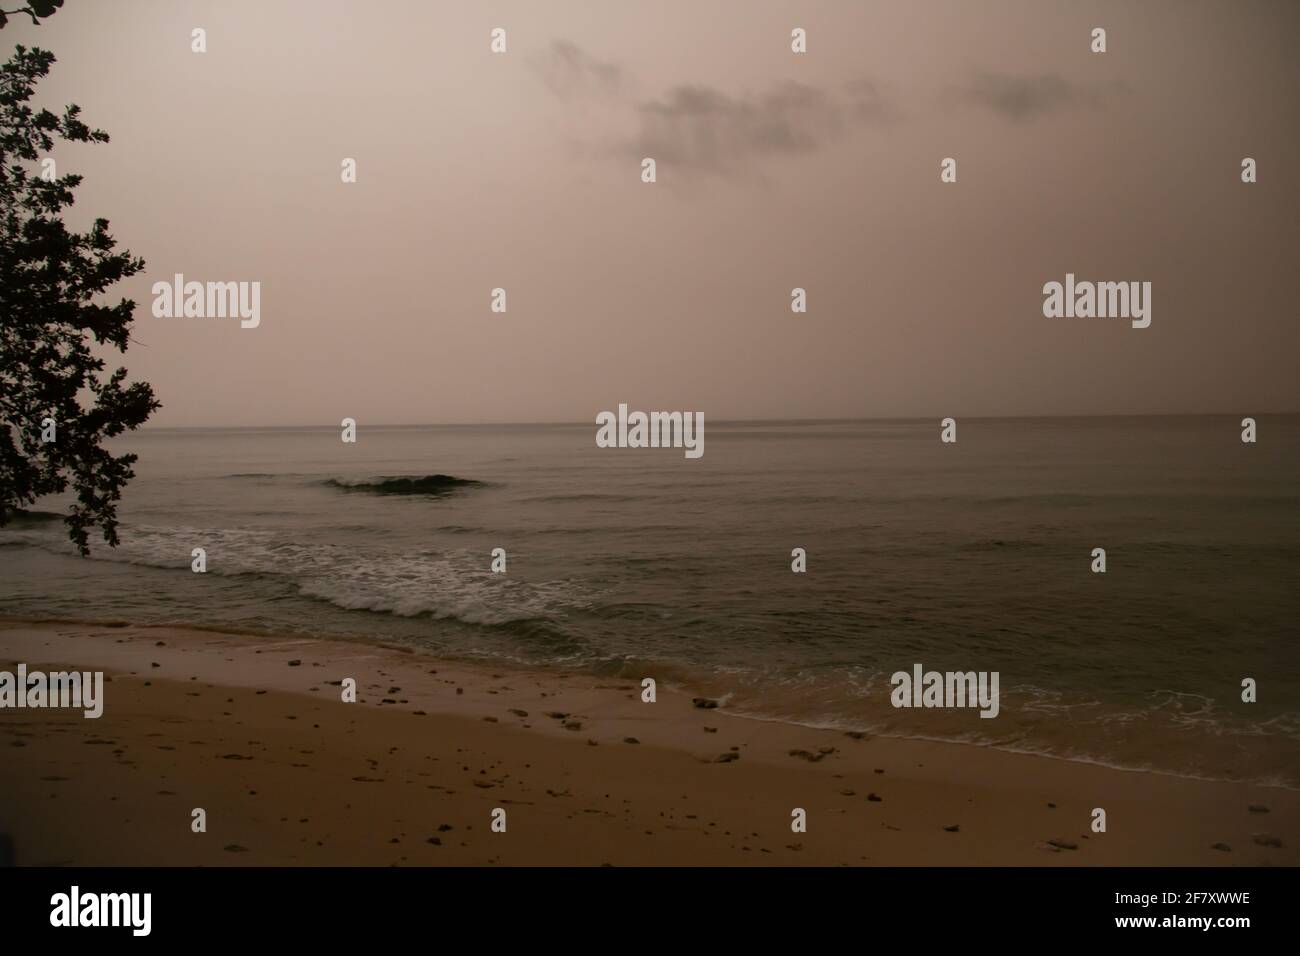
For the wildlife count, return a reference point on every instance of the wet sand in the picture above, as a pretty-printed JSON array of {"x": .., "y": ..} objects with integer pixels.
[{"x": 253, "y": 731}]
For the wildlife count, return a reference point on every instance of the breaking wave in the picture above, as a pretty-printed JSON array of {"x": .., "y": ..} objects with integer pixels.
[{"x": 426, "y": 485}]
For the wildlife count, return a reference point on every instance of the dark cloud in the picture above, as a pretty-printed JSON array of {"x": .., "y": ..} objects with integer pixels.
[
  {"x": 697, "y": 127},
  {"x": 567, "y": 71},
  {"x": 1025, "y": 98}
]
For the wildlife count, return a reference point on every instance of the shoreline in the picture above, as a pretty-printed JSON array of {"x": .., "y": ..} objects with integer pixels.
[
  {"x": 548, "y": 671},
  {"x": 228, "y": 722}
]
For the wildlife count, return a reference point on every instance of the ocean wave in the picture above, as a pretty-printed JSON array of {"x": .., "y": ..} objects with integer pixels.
[
  {"x": 995, "y": 544},
  {"x": 21, "y": 517},
  {"x": 449, "y": 584},
  {"x": 426, "y": 485},
  {"x": 441, "y": 589},
  {"x": 579, "y": 497}
]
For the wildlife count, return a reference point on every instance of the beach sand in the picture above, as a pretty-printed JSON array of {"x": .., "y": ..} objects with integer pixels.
[{"x": 253, "y": 730}]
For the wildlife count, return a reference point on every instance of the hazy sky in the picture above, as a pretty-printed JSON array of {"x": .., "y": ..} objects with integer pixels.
[{"x": 775, "y": 170}]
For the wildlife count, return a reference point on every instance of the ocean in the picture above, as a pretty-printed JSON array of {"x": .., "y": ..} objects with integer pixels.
[{"x": 640, "y": 562}]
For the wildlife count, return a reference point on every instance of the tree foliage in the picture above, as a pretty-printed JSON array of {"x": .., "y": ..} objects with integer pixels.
[
  {"x": 52, "y": 282},
  {"x": 35, "y": 9}
]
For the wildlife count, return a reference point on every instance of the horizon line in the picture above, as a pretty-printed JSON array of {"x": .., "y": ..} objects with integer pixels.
[{"x": 737, "y": 421}]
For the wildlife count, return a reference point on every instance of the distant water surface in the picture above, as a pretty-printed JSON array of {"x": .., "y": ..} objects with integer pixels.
[{"x": 973, "y": 556}]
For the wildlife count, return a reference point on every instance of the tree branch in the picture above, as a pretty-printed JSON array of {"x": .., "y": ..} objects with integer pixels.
[{"x": 27, "y": 10}]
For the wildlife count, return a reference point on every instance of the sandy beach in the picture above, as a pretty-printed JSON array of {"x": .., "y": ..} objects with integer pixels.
[{"x": 254, "y": 731}]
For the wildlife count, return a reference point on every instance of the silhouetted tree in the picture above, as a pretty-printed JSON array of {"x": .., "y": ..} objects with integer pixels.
[
  {"x": 50, "y": 280},
  {"x": 35, "y": 9}
]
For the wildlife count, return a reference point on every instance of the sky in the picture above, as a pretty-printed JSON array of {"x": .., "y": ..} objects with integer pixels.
[{"x": 775, "y": 170}]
